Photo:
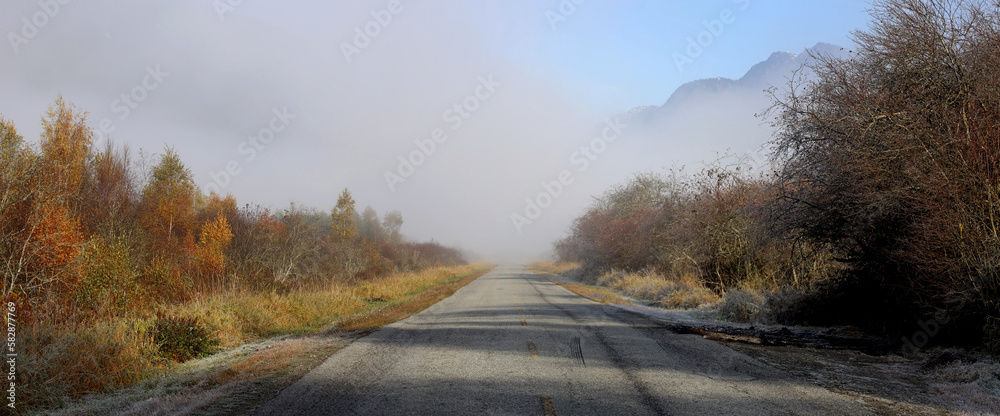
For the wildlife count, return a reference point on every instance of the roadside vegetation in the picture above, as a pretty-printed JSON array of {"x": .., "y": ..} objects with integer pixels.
[
  {"x": 881, "y": 208},
  {"x": 117, "y": 265},
  {"x": 268, "y": 341}
]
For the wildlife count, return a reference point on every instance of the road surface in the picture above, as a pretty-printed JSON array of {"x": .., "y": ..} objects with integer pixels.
[{"x": 512, "y": 343}]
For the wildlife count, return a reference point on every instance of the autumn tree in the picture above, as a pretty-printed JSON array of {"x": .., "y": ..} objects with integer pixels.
[
  {"x": 168, "y": 201},
  {"x": 255, "y": 234},
  {"x": 619, "y": 228},
  {"x": 18, "y": 173},
  {"x": 212, "y": 243},
  {"x": 216, "y": 206},
  {"x": 343, "y": 227},
  {"x": 393, "y": 223},
  {"x": 65, "y": 144},
  {"x": 370, "y": 225},
  {"x": 109, "y": 281},
  {"x": 168, "y": 219},
  {"x": 50, "y": 240}
]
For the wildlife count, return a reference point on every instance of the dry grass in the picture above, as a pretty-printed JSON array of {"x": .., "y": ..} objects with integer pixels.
[
  {"x": 553, "y": 268},
  {"x": 740, "y": 305},
  {"x": 68, "y": 363},
  {"x": 597, "y": 294},
  {"x": 71, "y": 361},
  {"x": 231, "y": 382},
  {"x": 240, "y": 318},
  {"x": 973, "y": 388},
  {"x": 683, "y": 292}
]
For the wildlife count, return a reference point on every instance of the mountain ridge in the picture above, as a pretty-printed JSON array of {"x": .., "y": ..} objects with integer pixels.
[{"x": 770, "y": 72}]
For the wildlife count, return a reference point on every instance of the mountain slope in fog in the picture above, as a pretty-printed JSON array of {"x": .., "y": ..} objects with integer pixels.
[{"x": 706, "y": 117}]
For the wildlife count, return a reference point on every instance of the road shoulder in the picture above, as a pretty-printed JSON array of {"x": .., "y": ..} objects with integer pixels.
[{"x": 862, "y": 368}]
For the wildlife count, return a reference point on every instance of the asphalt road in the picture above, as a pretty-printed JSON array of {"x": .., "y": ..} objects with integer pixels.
[{"x": 512, "y": 343}]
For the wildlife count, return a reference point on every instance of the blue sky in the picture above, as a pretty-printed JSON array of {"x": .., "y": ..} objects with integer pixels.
[{"x": 621, "y": 54}]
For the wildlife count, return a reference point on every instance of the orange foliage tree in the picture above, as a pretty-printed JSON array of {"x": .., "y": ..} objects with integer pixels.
[
  {"x": 210, "y": 252},
  {"x": 66, "y": 142},
  {"x": 42, "y": 237},
  {"x": 168, "y": 217}
]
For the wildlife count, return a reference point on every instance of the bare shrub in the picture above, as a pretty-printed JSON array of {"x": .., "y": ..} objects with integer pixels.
[
  {"x": 706, "y": 230},
  {"x": 740, "y": 305},
  {"x": 891, "y": 158}
]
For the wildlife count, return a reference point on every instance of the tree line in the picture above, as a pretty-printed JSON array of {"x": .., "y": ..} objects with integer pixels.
[{"x": 88, "y": 231}]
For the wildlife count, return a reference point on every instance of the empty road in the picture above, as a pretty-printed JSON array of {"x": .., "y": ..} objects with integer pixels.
[{"x": 512, "y": 343}]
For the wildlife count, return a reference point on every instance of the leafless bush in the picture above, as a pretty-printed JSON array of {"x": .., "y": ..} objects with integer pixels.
[
  {"x": 708, "y": 227},
  {"x": 740, "y": 306},
  {"x": 891, "y": 157}
]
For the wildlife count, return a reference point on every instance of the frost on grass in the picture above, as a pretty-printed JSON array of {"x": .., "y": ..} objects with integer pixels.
[{"x": 971, "y": 388}]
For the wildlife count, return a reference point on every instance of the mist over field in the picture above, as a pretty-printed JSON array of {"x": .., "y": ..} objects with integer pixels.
[{"x": 216, "y": 81}]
